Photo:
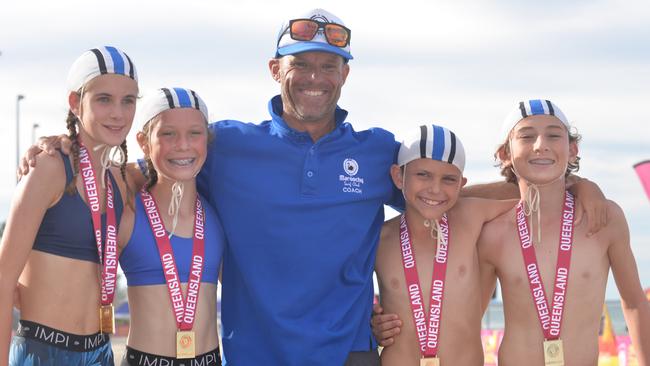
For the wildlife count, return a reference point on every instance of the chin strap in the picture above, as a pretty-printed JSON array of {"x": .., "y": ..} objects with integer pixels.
[
  {"x": 435, "y": 230},
  {"x": 531, "y": 207},
  {"x": 113, "y": 155},
  {"x": 175, "y": 204}
]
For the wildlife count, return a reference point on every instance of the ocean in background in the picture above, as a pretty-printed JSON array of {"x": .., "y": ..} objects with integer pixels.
[{"x": 493, "y": 318}]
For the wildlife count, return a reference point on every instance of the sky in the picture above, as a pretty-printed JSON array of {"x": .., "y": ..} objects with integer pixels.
[{"x": 461, "y": 64}]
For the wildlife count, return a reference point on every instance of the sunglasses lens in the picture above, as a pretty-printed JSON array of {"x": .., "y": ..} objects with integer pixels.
[
  {"x": 336, "y": 35},
  {"x": 303, "y": 30}
]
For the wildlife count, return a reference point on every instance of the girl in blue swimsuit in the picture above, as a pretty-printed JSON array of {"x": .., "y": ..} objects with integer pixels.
[{"x": 173, "y": 239}]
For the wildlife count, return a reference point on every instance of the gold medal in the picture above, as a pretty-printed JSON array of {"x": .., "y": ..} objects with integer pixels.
[
  {"x": 430, "y": 361},
  {"x": 185, "y": 344},
  {"x": 107, "y": 319},
  {"x": 553, "y": 353}
]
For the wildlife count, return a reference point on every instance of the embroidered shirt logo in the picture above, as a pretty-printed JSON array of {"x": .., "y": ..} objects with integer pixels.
[
  {"x": 351, "y": 184},
  {"x": 351, "y": 167}
]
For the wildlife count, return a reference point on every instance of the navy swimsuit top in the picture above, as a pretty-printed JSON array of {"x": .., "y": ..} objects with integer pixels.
[
  {"x": 140, "y": 260},
  {"x": 67, "y": 227}
]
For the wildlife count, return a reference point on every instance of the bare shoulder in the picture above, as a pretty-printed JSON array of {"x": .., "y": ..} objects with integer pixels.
[
  {"x": 390, "y": 229},
  {"x": 387, "y": 244},
  {"x": 616, "y": 223}
]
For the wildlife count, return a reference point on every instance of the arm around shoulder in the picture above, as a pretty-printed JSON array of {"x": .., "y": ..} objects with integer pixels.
[{"x": 496, "y": 190}]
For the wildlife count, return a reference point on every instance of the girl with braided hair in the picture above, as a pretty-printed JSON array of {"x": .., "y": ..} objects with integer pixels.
[{"x": 59, "y": 247}]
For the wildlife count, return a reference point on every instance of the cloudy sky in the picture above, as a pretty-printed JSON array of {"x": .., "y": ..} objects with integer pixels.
[{"x": 462, "y": 64}]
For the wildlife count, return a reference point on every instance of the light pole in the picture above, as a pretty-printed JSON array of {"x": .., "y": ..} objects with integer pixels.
[
  {"x": 34, "y": 127},
  {"x": 19, "y": 97}
]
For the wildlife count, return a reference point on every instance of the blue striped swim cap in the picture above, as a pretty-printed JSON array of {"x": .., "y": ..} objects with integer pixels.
[
  {"x": 529, "y": 108},
  {"x": 160, "y": 100},
  {"x": 432, "y": 142},
  {"x": 99, "y": 61}
]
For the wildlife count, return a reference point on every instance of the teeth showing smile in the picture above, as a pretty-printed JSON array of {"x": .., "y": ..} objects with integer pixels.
[
  {"x": 114, "y": 128},
  {"x": 541, "y": 161},
  {"x": 431, "y": 202},
  {"x": 314, "y": 93},
  {"x": 182, "y": 162}
]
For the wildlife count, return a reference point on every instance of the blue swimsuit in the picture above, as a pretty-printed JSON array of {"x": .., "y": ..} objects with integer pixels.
[{"x": 140, "y": 259}]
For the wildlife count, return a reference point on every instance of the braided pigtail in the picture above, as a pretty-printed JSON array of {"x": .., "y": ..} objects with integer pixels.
[
  {"x": 129, "y": 191},
  {"x": 153, "y": 175},
  {"x": 73, "y": 134}
]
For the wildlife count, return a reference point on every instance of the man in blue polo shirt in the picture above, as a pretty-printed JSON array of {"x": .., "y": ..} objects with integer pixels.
[{"x": 301, "y": 200}]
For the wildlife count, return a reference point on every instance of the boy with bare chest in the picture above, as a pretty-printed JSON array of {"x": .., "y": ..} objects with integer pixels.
[
  {"x": 427, "y": 261},
  {"x": 553, "y": 276}
]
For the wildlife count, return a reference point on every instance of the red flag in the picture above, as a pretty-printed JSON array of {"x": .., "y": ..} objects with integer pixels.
[{"x": 643, "y": 170}]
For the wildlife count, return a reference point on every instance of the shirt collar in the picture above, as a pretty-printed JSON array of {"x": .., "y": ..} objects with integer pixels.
[{"x": 280, "y": 127}]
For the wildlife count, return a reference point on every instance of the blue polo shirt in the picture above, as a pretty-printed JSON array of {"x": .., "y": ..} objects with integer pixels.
[{"x": 302, "y": 220}]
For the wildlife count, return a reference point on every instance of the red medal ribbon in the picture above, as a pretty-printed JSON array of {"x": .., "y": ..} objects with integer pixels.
[
  {"x": 107, "y": 253},
  {"x": 428, "y": 328},
  {"x": 551, "y": 321},
  {"x": 184, "y": 309}
]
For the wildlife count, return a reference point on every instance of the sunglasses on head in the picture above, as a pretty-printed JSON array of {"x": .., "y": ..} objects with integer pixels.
[{"x": 306, "y": 29}]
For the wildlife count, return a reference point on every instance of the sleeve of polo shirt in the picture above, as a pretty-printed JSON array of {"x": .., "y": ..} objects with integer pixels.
[
  {"x": 203, "y": 179},
  {"x": 396, "y": 200}
]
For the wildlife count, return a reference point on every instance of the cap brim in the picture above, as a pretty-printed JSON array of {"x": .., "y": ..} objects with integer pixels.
[{"x": 312, "y": 46}]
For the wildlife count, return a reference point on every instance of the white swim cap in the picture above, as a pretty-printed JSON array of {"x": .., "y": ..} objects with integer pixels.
[
  {"x": 529, "y": 108},
  {"x": 99, "y": 61},
  {"x": 432, "y": 142},
  {"x": 163, "y": 99}
]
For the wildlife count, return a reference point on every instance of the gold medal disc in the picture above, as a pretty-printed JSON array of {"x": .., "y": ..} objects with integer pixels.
[
  {"x": 553, "y": 353},
  {"x": 430, "y": 361},
  {"x": 107, "y": 319},
  {"x": 185, "y": 344}
]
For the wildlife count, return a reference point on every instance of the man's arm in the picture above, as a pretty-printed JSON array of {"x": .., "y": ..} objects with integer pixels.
[
  {"x": 590, "y": 203},
  {"x": 384, "y": 326},
  {"x": 636, "y": 307},
  {"x": 135, "y": 173},
  {"x": 590, "y": 200},
  {"x": 47, "y": 144}
]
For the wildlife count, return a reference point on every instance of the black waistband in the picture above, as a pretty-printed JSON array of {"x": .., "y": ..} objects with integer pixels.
[
  {"x": 133, "y": 357},
  {"x": 57, "y": 338}
]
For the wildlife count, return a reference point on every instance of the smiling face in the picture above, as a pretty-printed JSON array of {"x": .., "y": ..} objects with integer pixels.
[
  {"x": 430, "y": 187},
  {"x": 311, "y": 85},
  {"x": 540, "y": 149},
  {"x": 176, "y": 142},
  {"x": 106, "y": 109}
]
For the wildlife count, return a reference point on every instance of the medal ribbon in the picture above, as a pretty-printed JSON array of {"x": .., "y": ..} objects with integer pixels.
[
  {"x": 551, "y": 321},
  {"x": 427, "y": 327},
  {"x": 184, "y": 309},
  {"x": 107, "y": 253}
]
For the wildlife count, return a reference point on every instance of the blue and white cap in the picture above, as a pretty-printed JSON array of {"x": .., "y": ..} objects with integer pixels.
[
  {"x": 289, "y": 46},
  {"x": 99, "y": 61},
  {"x": 432, "y": 142},
  {"x": 529, "y": 108},
  {"x": 160, "y": 100}
]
